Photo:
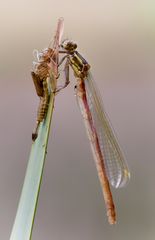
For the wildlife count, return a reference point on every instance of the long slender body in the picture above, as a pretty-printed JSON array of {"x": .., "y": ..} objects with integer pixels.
[
  {"x": 80, "y": 68},
  {"x": 109, "y": 160},
  {"x": 94, "y": 141}
]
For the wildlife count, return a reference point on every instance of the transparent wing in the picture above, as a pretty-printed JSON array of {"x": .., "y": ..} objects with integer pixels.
[
  {"x": 57, "y": 38},
  {"x": 116, "y": 167},
  {"x": 59, "y": 33}
]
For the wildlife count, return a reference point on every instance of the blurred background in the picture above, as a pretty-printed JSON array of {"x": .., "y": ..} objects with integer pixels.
[{"x": 118, "y": 40}]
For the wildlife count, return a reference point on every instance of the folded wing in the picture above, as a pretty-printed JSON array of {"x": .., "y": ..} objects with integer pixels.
[{"x": 116, "y": 167}]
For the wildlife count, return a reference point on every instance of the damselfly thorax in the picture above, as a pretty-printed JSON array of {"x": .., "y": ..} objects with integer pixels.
[{"x": 79, "y": 65}]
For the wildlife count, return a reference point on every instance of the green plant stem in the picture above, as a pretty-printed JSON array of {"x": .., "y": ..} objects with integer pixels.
[{"x": 23, "y": 224}]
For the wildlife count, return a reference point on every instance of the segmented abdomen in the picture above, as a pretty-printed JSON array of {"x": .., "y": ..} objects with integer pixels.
[{"x": 43, "y": 106}]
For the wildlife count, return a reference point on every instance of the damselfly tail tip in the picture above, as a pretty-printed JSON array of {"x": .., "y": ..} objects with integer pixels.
[
  {"x": 112, "y": 219},
  {"x": 113, "y": 222}
]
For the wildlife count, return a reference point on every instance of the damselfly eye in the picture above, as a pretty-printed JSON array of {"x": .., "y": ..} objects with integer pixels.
[{"x": 65, "y": 44}]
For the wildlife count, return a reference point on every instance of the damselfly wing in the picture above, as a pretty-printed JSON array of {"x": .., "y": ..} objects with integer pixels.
[{"x": 116, "y": 168}]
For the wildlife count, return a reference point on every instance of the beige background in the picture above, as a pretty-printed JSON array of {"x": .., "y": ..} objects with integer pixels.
[{"x": 118, "y": 40}]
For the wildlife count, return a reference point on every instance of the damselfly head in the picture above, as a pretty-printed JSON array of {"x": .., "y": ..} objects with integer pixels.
[{"x": 69, "y": 45}]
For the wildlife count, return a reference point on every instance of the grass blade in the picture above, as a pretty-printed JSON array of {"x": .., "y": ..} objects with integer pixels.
[
  {"x": 24, "y": 220},
  {"x": 23, "y": 224}
]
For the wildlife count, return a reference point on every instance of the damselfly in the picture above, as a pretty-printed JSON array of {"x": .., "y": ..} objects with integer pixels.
[{"x": 109, "y": 159}]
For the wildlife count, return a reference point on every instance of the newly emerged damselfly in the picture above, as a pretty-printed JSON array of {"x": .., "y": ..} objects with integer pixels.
[{"x": 109, "y": 159}]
